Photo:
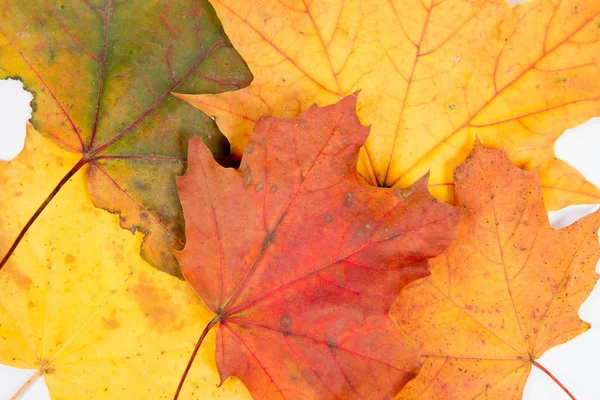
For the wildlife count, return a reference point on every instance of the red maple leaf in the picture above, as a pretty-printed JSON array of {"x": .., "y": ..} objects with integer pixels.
[{"x": 300, "y": 261}]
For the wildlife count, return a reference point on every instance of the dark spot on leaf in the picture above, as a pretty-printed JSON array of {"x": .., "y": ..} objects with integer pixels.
[
  {"x": 247, "y": 175},
  {"x": 141, "y": 186},
  {"x": 285, "y": 323},
  {"x": 270, "y": 237},
  {"x": 348, "y": 199},
  {"x": 404, "y": 193}
]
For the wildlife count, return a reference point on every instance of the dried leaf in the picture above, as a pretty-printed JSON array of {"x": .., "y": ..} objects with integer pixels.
[
  {"x": 505, "y": 292},
  {"x": 300, "y": 261},
  {"x": 80, "y": 305},
  {"x": 102, "y": 73},
  {"x": 433, "y": 75}
]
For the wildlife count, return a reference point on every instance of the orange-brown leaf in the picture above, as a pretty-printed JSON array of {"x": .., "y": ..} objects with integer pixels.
[
  {"x": 300, "y": 261},
  {"x": 505, "y": 292}
]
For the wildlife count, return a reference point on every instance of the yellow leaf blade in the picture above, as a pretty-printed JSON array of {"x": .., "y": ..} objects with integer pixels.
[
  {"x": 564, "y": 185},
  {"x": 432, "y": 76},
  {"x": 80, "y": 305}
]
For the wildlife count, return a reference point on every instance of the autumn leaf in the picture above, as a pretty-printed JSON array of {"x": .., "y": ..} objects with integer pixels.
[
  {"x": 102, "y": 73},
  {"x": 80, "y": 306},
  {"x": 505, "y": 292},
  {"x": 433, "y": 75},
  {"x": 300, "y": 261}
]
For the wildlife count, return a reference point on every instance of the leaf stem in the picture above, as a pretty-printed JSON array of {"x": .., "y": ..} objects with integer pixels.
[
  {"x": 41, "y": 208},
  {"x": 26, "y": 385},
  {"x": 540, "y": 366},
  {"x": 212, "y": 323}
]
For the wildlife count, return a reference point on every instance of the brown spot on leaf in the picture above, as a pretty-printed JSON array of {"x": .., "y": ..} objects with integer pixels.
[
  {"x": 247, "y": 175},
  {"x": 111, "y": 322},
  {"x": 141, "y": 186},
  {"x": 70, "y": 258},
  {"x": 23, "y": 281},
  {"x": 404, "y": 193},
  {"x": 285, "y": 322},
  {"x": 156, "y": 305},
  {"x": 348, "y": 198}
]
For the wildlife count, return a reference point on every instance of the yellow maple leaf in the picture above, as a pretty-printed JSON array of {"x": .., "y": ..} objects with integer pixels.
[
  {"x": 433, "y": 76},
  {"x": 80, "y": 306}
]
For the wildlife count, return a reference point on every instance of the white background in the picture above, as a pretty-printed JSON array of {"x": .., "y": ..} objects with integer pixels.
[{"x": 576, "y": 363}]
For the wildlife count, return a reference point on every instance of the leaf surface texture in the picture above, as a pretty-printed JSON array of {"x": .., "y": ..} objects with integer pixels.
[
  {"x": 78, "y": 303},
  {"x": 505, "y": 292},
  {"x": 433, "y": 76},
  {"x": 300, "y": 261}
]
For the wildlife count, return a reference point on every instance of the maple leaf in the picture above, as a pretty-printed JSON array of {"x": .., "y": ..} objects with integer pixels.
[
  {"x": 300, "y": 261},
  {"x": 433, "y": 75},
  {"x": 81, "y": 307},
  {"x": 505, "y": 292},
  {"x": 102, "y": 73}
]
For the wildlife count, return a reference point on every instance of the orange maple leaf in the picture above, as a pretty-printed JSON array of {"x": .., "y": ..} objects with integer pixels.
[
  {"x": 505, "y": 292},
  {"x": 300, "y": 261},
  {"x": 433, "y": 75}
]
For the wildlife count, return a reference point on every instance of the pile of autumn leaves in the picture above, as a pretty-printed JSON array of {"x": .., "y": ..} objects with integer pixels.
[{"x": 324, "y": 266}]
